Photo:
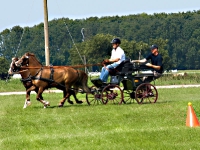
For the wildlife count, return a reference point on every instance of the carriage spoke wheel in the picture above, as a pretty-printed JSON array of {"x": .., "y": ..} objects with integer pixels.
[
  {"x": 146, "y": 93},
  {"x": 94, "y": 98},
  {"x": 112, "y": 94},
  {"x": 129, "y": 96}
]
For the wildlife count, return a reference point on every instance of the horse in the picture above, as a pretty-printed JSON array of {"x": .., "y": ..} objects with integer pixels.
[
  {"x": 27, "y": 82},
  {"x": 61, "y": 77},
  {"x": 25, "y": 79}
]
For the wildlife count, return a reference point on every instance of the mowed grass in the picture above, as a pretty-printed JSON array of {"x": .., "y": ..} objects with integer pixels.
[{"x": 158, "y": 126}]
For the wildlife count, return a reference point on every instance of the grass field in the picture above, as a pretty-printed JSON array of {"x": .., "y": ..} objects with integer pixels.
[{"x": 158, "y": 126}]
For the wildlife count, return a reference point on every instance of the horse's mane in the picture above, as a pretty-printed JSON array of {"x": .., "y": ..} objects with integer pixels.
[
  {"x": 15, "y": 58},
  {"x": 29, "y": 54},
  {"x": 33, "y": 56}
]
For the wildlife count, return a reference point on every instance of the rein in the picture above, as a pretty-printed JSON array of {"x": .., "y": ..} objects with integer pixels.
[
  {"x": 55, "y": 67},
  {"x": 19, "y": 71}
]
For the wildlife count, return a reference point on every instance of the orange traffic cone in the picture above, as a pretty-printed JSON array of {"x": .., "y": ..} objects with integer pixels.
[{"x": 191, "y": 120}]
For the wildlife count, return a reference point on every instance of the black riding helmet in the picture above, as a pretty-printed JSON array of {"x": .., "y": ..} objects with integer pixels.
[
  {"x": 116, "y": 41},
  {"x": 153, "y": 47}
]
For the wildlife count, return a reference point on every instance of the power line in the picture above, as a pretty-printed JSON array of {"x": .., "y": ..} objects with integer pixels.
[{"x": 72, "y": 38}]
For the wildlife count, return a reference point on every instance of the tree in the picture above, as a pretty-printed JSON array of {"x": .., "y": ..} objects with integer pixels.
[
  {"x": 96, "y": 49},
  {"x": 4, "y": 66}
]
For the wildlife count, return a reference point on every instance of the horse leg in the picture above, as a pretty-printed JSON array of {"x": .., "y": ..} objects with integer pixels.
[
  {"x": 28, "y": 92},
  {"x": 69, "y": 101},
  {"x": 66, "y": 95},
  {"x": 76, "y": 99},
  {"x": 40, "y": 98},
  {"x": 27, "y": 100},
  {"x": 72, "y": 92}
]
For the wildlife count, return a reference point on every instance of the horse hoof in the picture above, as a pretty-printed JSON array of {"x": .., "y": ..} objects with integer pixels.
[
  {"x": 71, "y": 102},
  {"x": 60, "y": 105},
  {"x": 46, "y": 104},
  {"x": 79, "y": 102},
  {"x": 27, "y": 103}
]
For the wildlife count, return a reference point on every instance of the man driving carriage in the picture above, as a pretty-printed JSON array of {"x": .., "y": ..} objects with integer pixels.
[
  {"x": 117, "y": 56},
  {"x": 156, "y": 62}
]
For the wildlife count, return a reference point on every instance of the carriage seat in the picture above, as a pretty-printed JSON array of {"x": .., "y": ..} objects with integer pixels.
[{"x": 125, "y": 67}]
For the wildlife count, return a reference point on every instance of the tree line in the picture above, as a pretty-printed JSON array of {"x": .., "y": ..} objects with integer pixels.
[{"x": 176, "y": 34}]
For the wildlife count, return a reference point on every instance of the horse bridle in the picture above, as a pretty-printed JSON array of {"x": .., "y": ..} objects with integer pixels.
[
  {"x": 16, "y": 69},
  {"x": 19, "y": 62}
]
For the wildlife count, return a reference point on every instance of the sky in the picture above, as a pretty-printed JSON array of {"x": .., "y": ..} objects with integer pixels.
[{"x": 31, "y": 12}]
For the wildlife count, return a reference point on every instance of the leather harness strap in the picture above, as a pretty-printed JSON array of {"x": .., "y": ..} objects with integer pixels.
[{"x": 50, "y": 80}]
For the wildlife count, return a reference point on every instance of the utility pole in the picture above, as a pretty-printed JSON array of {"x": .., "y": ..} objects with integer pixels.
[
  {"x": 140, "y": 53},
  {"x": 46, "y": 33}
]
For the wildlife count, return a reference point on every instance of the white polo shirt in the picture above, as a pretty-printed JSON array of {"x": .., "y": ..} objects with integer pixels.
[{"x": 118, "y": 53}]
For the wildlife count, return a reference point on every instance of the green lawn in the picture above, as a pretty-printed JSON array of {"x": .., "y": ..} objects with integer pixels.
[{"x": 158, "y": 126}]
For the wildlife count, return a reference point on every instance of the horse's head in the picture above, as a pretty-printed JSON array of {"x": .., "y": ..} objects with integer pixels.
[
  {"x": 13, "y": 68},
  {"x": 23, "y": 61},
  {"x": 28, "y": 61}
]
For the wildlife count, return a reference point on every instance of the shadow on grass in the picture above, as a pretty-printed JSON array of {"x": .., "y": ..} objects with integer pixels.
[
  {"x": 86, "y": 105},
  {"x": 56, "y": 106},
  {"x": 144, "y": 103}
]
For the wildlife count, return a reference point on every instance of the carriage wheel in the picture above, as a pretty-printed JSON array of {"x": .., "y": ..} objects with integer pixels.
[
  {"x": 112, "y": 94},
  {"x": 129, "y": 96},
  {"x": 146, "y": 93},
  {"x": 94, "y": 98}
]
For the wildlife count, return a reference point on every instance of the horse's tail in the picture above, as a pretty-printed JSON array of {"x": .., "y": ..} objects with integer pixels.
[{"x": 83, "y": 81}]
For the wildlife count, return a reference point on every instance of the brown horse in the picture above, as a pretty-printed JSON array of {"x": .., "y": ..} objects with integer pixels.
[
  {"x": 61, "y": 77},
  {"x": 27, "y": 82},
  {"x": 25, "y": 79}
]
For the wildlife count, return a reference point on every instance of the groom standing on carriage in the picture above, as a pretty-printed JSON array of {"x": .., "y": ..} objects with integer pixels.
[{"x": 117, "y": 56}]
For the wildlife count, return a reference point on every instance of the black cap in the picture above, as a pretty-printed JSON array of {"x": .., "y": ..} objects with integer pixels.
[{"x": 153, "y": 47}]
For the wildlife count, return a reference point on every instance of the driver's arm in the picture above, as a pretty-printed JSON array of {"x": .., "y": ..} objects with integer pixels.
[
  {"x": 140, "y": 61},
  {"x": 114, "y": 59},
  {"x": 153, "y": 66}
]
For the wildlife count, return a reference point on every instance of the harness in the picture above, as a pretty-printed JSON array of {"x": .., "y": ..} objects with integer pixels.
[
  {"x": 51, "y": 79},
  {"x": 26, "y": 80}
]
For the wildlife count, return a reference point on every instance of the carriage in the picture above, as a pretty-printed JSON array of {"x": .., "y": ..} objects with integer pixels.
[{"x": 128, "y": 84}]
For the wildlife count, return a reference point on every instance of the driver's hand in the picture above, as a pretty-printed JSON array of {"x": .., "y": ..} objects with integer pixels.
[
  {"x": 149, "y": 65},
  {"x": 106, "y": 61},
  {"x": 103, "y": 63},
  {"x": 134, "y": 61}
]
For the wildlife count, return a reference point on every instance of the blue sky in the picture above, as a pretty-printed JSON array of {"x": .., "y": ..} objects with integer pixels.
[{"x": 30, "y": 12}]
